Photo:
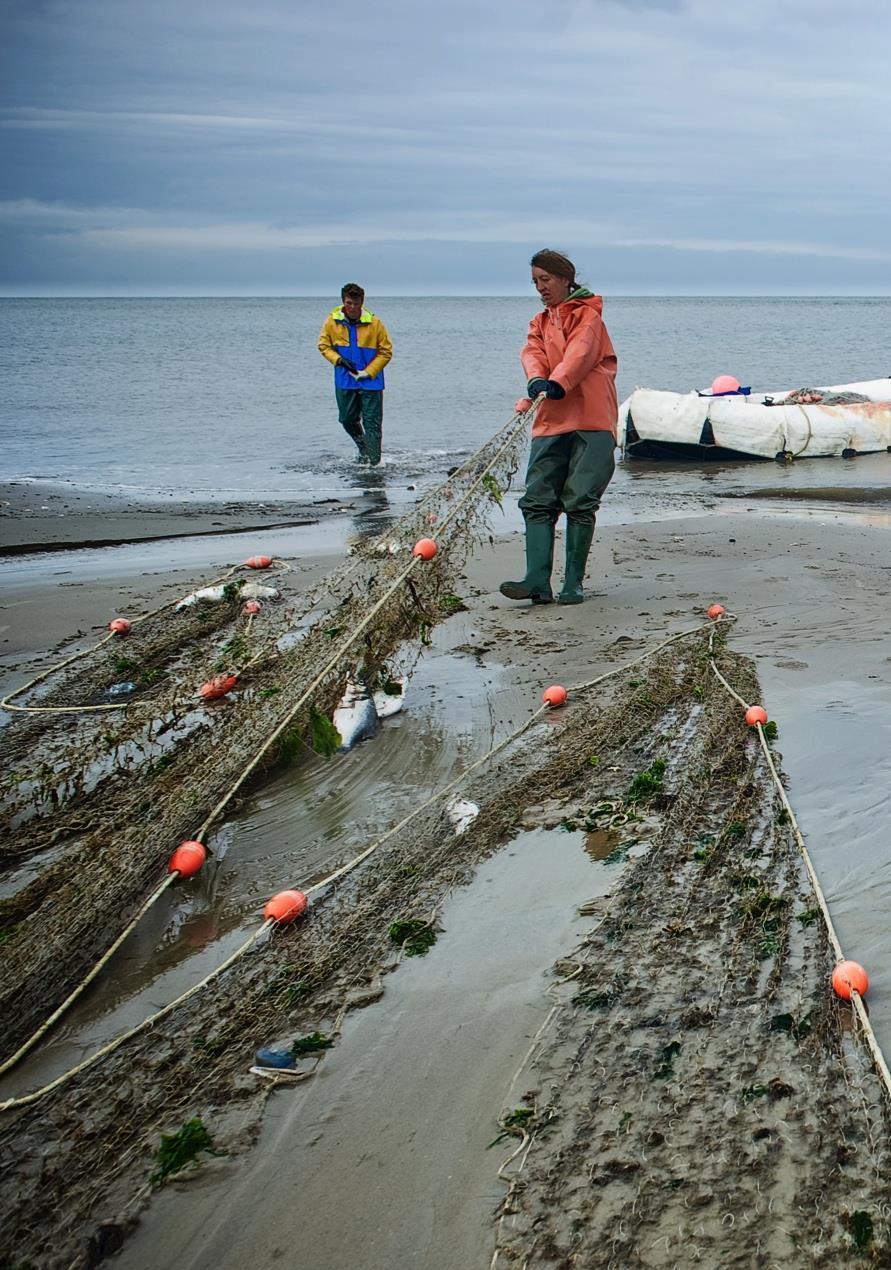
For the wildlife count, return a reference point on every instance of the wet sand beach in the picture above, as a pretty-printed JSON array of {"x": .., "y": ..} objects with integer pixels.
[
  {"x": 40, "y": 516},
  {"x": 392, "y": 1173}
]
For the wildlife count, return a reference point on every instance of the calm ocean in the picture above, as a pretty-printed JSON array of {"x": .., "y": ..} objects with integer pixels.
[{"x": 183, "y": 397}]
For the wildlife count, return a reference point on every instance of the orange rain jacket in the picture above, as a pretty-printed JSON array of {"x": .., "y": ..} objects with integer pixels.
[{"x": 570, "y": 344}]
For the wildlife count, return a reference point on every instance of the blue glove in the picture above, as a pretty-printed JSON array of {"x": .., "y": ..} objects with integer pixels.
[{"x": 549, "y": 387}]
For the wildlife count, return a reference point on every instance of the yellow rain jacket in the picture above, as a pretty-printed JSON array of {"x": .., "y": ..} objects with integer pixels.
[{"x": 364, "y": 344}]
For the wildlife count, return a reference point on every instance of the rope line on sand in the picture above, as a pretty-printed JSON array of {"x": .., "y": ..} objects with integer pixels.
[
  {"x": 88, "y": 979},
  {"x": 856, "y": 999},
  {"x": 5, "y": 702},
  {"x": 118, "y": 1041},
  {"x": 330, "y": 879}
]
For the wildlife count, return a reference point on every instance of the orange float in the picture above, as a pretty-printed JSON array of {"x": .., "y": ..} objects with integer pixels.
[
  {"x": 120, "y": 626},
  {"x": 554, "y": 696},
  {"x": 756, "y": 715},
  {"x": 286, "y": 906},
  {"x": 219, "y": 686},
  {"x": 848, "y": 977},
  {"x": 253, "y": 607},
  {"x": 187, "y": 859},
  {"x": 258, "y": 562},
  {"x": 716, "y": 610},
  {"x": 426, "y": 548}
]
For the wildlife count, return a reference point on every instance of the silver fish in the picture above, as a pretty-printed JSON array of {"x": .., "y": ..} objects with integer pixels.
[
  {"x": 355, "y": 718},
  {"x": 387, "y": 703}
]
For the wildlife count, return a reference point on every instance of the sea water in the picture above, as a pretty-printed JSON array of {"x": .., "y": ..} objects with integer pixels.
[{"x": 231, "y": 398}]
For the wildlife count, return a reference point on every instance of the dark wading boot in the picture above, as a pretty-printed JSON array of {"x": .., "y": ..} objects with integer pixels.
[
  {"x": 536, "y": 586},
  {"x": 578, "y": 543}
]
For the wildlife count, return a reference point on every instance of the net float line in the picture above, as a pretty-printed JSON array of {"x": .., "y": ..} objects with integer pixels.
[
  {"x": 855, "y": 996},
  {"x": 185, "y": 862},
  {"x": 116, "y": 631}
]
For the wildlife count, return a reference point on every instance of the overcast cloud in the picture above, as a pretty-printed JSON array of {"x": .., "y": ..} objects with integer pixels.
[{"x": 211, "y": 147}]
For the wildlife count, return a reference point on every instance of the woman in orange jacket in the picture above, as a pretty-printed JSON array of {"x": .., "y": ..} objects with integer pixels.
[{"x": 569, "y": 357}]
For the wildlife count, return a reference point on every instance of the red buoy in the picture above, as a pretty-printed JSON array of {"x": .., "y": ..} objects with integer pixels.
[
  {"x": 426, "y": 548},
  {"x": 252, "y": 607},
  {"x": 755, "y": 715},
  {"x": 217, "y": 687},
  {"x": 716, "y": 610},
  {"x": 258, "y": 562},
  {"x": 848, "y": 977},
  {"x": 187, "y": 859},
  {"x": 120, "y": 626},
  {"x": 554, "y": 696},
  {"x": 286, "y": 906}
]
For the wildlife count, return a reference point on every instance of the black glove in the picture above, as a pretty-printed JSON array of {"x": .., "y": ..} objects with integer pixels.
[
  {"x": 342, "y": 361},
  {"x": 549, "y": 387}
]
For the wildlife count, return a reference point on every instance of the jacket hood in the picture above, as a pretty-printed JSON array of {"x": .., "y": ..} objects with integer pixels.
[
  {"x": 339, "y": 316},
  {"x": 582, "y": 295},
  {"x": 580, "y": 298}
]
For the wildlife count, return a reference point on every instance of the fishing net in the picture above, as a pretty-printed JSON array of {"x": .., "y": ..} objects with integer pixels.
[
  {"x": 822, "y": 396},
  {"x": 76, "y": 1163},
  {"x": 95, "y": 803}
]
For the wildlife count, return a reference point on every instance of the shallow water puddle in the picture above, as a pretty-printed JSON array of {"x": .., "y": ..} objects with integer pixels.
[
  {"x": 601, "y": 842},
  {"x": 381, "y": 1159}
]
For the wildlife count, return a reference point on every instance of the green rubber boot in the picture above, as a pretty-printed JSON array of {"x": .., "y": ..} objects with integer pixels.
[
  {"x": 579, "y": 535},
  {"x": 536, "y": 586}
]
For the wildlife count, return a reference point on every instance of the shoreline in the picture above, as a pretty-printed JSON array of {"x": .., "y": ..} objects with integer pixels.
[{"x": 38, "y": 516}]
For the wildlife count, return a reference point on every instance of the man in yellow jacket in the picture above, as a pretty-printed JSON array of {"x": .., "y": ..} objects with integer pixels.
[{"x": 357, "y": 345}]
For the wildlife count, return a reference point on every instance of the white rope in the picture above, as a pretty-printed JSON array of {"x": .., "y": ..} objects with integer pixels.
[
  {"x": 860, "y": 1009},
  {"x": 25, "y": 1099},
  {"x": 88, "y": 979},
  {"x": 6, "y": 702}
]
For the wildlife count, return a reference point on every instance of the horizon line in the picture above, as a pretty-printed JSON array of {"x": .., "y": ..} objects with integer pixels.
[{"x": 439, "y": 295}]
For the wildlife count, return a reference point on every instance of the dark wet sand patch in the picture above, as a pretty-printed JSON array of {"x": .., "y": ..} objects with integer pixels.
[{"x": 816, "y": 494}]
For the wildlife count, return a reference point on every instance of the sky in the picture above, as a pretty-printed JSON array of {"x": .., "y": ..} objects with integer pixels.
[{"x": 278, "y": 147}]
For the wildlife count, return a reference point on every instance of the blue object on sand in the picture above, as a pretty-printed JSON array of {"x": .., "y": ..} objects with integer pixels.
[
  {"x": 124, "y": 689},
  {"x": 274, "y": 1058}
]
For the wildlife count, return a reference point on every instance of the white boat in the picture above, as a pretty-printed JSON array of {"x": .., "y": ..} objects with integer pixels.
[{"x": 694, "y": 425}]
